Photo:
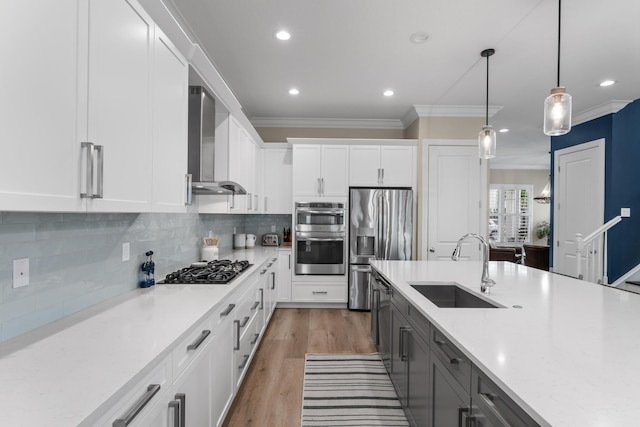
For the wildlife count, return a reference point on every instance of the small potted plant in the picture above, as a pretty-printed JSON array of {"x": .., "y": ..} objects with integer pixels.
[{"x": 543, "y": 230}]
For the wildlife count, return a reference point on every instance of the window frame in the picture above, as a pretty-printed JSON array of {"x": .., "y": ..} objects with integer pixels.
[{"x": 501, "y": 215}]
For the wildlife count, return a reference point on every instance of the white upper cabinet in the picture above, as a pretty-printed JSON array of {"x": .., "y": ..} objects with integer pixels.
[
  {"x": 320, "y": 170},
  {"x": 170, "y": 115},
  {"x": 382, "y": 166},
  {"x": 243, "y": 154},
  {"x": 277, "y": 180},
  {"x": 120, "y": 104},
  {"x": 41, "y": 93}
]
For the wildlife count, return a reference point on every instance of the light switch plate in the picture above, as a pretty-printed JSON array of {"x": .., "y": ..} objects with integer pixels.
[
  {"x": 20, "y": 272},
  {"x": 625, "y": 212},
  {"x": 126, "y": 252}
]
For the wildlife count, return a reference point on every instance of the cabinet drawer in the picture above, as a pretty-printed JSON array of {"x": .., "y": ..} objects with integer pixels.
[
  {"x": 190, "y": 346},
  {"x": 148, "y": 392},
  {"x": 415, "y": 318},
  {"x": 309, "y": 292},
  {"x": 451, "y": 357},
  {"x": 488, "y": 401}
]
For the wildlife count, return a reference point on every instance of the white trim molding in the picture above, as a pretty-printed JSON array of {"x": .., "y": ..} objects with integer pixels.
[
  {"x": 289, "y": 122},
  {"x": 417, "y": 111},
  {"x": 599, "y": 111}
]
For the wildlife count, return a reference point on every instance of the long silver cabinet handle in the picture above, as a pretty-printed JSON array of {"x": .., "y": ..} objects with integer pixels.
[
  {"x": 175, "y": 405},
  {"x": 487, "y": 398},
  {"x": 230, "y": 307},
  {"x": 256, "y": 202},
  {"x": 452, "y": 360},
  {"x": 183, "y": 408},
  {"x": 289, "y": 261},
  {"x": 88, "y": 194},
  {"x": 100, "y": 173},
  {"x": 203, "y": 336},
  {"x": 273, "y": 280},
  {"x": 189, "y": 193},
  {"x": 261, "y": 298},
  {"x": 319, "y": 292},
  {"x": 244, "y": 362},
  {"x": 249, "y": 201},
  {"x": 382, "y": 176},
  {"x": 237, "y": 325},
  {"x": 244, "y": 321},
  {"x": 265, "y": 204},
  {"x": 322, "y": 182},
  {"x": 152, "y": 389}
]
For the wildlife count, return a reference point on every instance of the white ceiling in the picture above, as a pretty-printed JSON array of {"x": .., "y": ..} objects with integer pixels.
[{"x": 344, "y": 53}]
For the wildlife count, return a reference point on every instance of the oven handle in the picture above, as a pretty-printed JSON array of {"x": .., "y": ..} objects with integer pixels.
[
  {"x": 317, "y": 211},
  {"x": 320, "y": 239}
]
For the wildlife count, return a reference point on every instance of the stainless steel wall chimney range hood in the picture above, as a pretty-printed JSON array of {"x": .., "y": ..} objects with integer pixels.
[{"x": 202, "y": 146}]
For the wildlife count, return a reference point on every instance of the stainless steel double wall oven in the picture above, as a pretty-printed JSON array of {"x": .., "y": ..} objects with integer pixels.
[{"x": 320, "y": 239}]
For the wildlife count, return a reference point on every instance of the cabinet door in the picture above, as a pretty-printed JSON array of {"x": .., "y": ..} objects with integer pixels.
[
  {"x": 42, "y": 92},
  {"x": 398, "y": 166},
  {"x": 170, "y": 111},
  {"x": 449, "y": 402},
  {"x": 284, "y": 275},
  {"x": 237, "y": 166},
  {"x": 120, "y": 53},
  {"x": 195, "y": 385},
  {"x": 418, "y": 407},
  {"x": 277, "y": 180},
  {"x": 399, "y": 357},
  {"x": 364, "y": 166},
  {"x": 222, "y": 367},
  {"x": 306, "y": 170},
  {"x": 335, "y": 167}
]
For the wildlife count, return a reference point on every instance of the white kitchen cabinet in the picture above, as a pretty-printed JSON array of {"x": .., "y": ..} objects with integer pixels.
[
  {"x": 40, "y": 137},
  {"x": 170, "y": 115},
  {"x": 285, "y": 261},
  {"x": 382, "y": 165},
  {"x": 222, "y": 390},
  {"x": 320, "y": 170},
  {"x": 120, "y": 103},
  {"x": 278, "y": 164},
  {"x": 242, "y": 165}
]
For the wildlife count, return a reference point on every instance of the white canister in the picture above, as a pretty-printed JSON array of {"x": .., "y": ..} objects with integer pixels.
[
  {"x": 251, "y": 241},
  {"x": 209, "y": 253},
  {"x": 239, "y": 241}
]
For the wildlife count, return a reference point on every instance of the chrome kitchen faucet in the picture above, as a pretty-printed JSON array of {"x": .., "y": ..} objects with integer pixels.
[{"x": 486, "y": 282}]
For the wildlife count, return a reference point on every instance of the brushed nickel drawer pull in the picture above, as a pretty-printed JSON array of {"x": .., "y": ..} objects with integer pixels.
[
  {"x": 203, "y": 336},
  {"x": 152, "y": 389},
  {"x": 230, "y": 307}
]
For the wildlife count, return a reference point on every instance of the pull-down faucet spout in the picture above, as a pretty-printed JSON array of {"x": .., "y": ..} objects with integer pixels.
[{"x": 485, "y": 282}]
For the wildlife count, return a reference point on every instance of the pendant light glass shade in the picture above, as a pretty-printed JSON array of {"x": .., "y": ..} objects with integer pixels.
[
  {"x": 557, "y": 112},
  {"x": 545, "y": 195},
  {"x": 487, "y": 142}
]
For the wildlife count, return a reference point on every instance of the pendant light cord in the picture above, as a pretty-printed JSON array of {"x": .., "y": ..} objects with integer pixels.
[
  {"x": 559, "y": 27},
  {"x": 486, "y": 115}
]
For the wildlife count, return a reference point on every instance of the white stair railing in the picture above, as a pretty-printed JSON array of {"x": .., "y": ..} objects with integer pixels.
[{"x": 587, "y": 248}]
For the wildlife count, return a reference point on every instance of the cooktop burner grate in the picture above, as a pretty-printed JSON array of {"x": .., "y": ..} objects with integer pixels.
[{"x": 214, "y": 272}]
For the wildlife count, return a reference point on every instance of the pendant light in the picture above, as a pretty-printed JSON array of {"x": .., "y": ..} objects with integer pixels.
[
  {"x": 545, "y": 195},
  {"x": 557, "y": 106},
  {"x": 487, "y": 136}
]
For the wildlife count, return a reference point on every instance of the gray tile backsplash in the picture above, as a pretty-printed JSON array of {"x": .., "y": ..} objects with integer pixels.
[{"x": 75, "y": 260}]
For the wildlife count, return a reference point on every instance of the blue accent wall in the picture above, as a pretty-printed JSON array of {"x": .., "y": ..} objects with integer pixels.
[{"x": 621, "y": 132}]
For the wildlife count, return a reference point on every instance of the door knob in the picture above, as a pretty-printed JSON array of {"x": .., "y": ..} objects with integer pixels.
[{"x": 432, "y": 249}]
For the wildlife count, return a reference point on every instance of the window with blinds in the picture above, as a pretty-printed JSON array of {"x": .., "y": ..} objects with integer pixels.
[{"x": 510, "y": 213}]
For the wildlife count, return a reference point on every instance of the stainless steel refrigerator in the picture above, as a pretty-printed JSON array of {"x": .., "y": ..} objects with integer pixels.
[{"x": 380, "y": 228}]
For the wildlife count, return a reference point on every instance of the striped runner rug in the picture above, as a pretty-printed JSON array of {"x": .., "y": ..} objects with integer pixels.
[{"x": 349, "y": 390}]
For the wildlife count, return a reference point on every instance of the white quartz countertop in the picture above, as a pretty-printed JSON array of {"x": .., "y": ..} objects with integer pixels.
[
  {"x": 61, "y": 373},
  {"x": 568, "y": 356}
]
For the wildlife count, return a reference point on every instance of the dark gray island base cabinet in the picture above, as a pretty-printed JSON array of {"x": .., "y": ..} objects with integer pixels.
[{"x": 436, "y": 383}]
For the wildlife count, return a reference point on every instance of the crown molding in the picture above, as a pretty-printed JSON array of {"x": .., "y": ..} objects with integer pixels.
[
  {"x": 610, "y": 107},
  {"x": 418, "y": 111},
  {"x": 275, "y": 122}
]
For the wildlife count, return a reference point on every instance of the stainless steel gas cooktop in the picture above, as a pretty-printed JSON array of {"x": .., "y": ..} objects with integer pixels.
[{"x": 218, "y": 272}]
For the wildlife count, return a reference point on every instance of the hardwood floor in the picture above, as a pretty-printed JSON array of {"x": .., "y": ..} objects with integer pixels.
[{"x": 271, "y": 393}]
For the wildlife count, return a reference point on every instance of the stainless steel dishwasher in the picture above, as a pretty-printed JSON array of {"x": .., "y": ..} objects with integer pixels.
[{"x": 381, "y": 317}]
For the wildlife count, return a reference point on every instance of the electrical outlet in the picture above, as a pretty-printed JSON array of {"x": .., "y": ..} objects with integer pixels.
[
  {"x": 625, "y": 212},
  {"x": 20, "y": 272},
  {"x": 273, "y": 228},
  {"x": 126, "y": 252}
]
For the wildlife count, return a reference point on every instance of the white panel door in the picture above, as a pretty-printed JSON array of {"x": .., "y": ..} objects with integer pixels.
[
  {"x": 335, "y": 167},
  {"x": 578, "y": 200},
  {"x": 398, "y": 166},
  {"x": 277, "y": 180},
  {"x": 306, "y": 170},
  {"x": 170, "y": 115},
  {"x": 42, "y": 91},
  {"x": 364, "y": 165},
  {"x": 120, "y": 63},
  {"x": 456, "y": 189}
]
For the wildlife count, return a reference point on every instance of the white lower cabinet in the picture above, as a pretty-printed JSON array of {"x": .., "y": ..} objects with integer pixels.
[
  {"x": 222, "y": 388},
  {"x": 319, "y": 292},
  {"x": 285, "y": 261}
]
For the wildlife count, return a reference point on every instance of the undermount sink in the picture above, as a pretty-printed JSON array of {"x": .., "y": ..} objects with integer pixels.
[{"x": 451, "y": 295}]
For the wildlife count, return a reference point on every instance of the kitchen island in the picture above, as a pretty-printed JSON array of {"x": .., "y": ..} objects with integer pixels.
[
  {"x": 75, "y": 371},
  {"x": 562, "y": 349}
]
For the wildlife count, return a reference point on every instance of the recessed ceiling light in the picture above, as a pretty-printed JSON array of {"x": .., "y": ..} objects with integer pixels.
[
  {"x": 283, "y": 35},
  {"x": 606, "y": 83},
  {"x": 503, "y": 130},
  {"x": 293, "y": 91},
  {"x": 388, "y": 92},
  {"x": 419, "y": 38}
]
